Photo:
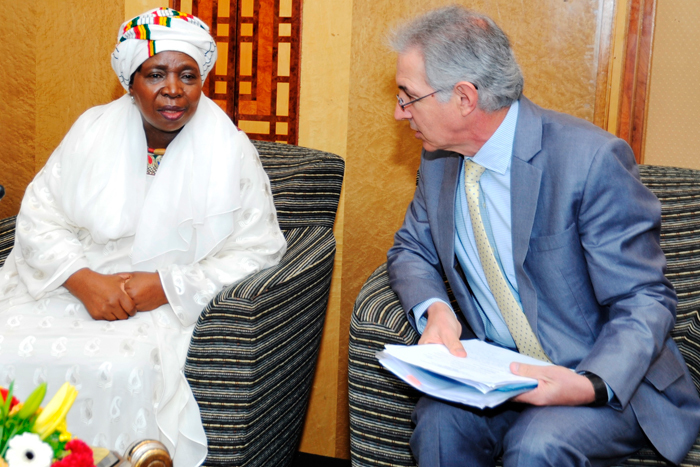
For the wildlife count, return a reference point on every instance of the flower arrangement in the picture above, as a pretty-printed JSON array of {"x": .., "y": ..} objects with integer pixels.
[{"x": 34, "y": 437}]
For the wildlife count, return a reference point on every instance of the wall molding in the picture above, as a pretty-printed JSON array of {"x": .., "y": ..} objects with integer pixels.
[{"x": 636, "y": 74}]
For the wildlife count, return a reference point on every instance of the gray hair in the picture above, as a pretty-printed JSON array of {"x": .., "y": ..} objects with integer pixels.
[{"x": 461, "y": 45}]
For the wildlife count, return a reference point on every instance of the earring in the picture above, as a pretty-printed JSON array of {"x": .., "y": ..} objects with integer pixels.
[{"x": 132, "y": 99}]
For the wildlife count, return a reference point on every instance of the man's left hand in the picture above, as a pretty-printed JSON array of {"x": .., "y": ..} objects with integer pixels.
[{"x": 556, "y": 385}]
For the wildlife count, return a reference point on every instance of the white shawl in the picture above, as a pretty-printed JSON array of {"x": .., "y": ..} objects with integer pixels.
[{"x": 190, "y": 202}]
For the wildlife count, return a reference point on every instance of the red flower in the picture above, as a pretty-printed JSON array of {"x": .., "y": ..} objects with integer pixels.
[
  {"x": 80, "y": 455},
  {"x": 4, "y": 398}
]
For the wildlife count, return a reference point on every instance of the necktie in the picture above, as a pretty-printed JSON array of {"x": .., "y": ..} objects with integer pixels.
[{"x": 513, "y": 315}]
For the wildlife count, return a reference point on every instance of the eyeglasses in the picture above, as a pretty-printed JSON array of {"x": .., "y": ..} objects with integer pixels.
[{"x": 403, "y": 104}]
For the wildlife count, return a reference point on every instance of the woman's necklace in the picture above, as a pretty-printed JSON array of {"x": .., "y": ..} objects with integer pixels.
[{"x": 154, "y": 158}]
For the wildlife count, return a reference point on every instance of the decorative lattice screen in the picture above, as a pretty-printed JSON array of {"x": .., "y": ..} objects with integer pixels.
[{"x": 256, "y": 77}]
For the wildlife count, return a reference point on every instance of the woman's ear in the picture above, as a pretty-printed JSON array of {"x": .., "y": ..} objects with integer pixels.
[{"x": 468, "y": 97}]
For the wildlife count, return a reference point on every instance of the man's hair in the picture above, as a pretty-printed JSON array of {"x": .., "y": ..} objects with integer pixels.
[{"x": 458, "y": 44}]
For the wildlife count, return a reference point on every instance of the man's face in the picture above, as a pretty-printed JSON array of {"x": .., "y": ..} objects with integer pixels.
[{"x": 430, "y": 118}]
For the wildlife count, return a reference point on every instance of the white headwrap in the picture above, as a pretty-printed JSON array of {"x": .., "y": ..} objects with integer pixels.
[
  {"x": 188, "y": 209},
  {"x": 159, "y": 30}
]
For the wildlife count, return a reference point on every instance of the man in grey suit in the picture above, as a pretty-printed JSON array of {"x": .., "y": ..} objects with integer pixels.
[{"x": 550, "y": 244}]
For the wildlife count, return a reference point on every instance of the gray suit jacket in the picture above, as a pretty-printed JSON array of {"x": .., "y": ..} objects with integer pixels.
[{"x": 588, "y": 263}]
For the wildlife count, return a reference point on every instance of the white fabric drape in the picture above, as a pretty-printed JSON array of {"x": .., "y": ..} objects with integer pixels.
[{"x": 192, "y": 199}]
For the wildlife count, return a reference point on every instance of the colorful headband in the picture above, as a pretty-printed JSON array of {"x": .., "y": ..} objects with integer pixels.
[{"x": 157, "y": 31}]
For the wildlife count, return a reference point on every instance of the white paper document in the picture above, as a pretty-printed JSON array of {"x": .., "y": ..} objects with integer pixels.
[{"x": 483, "y": 379}]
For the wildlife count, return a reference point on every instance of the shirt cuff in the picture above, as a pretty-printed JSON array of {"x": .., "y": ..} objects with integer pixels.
[
  {"x": 417, "y": 314},
  {"x": 611, "y": 394}
]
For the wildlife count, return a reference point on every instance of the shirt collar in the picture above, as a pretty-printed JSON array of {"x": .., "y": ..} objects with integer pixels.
[{"x": 496, "y": 153}]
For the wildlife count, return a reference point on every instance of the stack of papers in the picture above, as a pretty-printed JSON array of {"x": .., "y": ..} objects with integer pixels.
[{"x": 483, "y": 379}]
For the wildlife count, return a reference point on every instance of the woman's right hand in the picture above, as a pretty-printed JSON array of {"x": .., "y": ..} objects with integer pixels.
[{"x": 103, "y": 295}]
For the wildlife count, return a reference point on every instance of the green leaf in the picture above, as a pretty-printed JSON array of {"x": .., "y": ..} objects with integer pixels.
[
  {"x": 57, "y": 445},
  {"x": 8, "y": 400},
  {"x": 12, "y": 434}
]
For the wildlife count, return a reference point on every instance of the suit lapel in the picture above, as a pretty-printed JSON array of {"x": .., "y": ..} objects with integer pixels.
[
  {"x": 446, "y": 212},
  {"x": 446, "y": 240},
  {"x": 525, "y": 188}
]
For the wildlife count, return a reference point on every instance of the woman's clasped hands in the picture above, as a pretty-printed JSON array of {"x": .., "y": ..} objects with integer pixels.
[{"x": 116, "y": 296}]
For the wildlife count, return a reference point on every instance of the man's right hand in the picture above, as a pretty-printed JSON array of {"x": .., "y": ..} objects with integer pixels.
[
  {"x": 103, "y": 295},
  {"x": 443, "y": 328}
]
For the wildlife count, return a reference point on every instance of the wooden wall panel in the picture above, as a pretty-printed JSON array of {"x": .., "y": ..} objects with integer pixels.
[
  {"x": 604, "y": 71},
  {"x": 256, "y": 78},
  {"x": 636, "y": 74},
  {"x": 50, "y": 75}
]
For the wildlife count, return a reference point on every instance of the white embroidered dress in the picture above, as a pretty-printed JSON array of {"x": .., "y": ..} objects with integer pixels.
[{"x": 129, "y": 373}]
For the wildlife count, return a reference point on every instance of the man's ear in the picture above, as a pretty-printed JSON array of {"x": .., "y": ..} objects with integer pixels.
[{"x": 468, "y": 97}]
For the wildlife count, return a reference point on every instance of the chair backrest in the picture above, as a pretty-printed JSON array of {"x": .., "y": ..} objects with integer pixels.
[
  {"x": 305, "y": 183},
  {"x": 679, "y": 193}
]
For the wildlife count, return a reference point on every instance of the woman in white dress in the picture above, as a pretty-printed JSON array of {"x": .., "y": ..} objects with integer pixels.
[{"x": 146, "y": 210}]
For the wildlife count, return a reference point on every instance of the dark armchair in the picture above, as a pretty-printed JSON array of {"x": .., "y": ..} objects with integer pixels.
[
  {"x": 381, "y": 405},
  {"x": 253, "y": 353}
]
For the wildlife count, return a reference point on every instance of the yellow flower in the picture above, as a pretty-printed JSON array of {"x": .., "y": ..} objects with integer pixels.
[
  {"x": 55, "y": 411},
  {"x": 65, "y": 435}
]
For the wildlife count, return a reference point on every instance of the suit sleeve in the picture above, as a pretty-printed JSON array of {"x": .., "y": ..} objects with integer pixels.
[
  {"x": 619, "y": 228},
  {"x": 415, "y": 272}
]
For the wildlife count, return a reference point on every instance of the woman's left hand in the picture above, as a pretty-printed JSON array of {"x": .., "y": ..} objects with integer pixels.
[{"x": 145, "y": 290}]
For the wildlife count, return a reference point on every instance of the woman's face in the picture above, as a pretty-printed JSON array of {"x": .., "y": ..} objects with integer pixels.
[{"x": 166, "y": 89}]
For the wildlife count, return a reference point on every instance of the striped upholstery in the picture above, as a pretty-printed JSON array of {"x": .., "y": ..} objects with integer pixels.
[
  {"x": 7, "y": 237},
  {"x": 381, "y": 405},
  {"x": 253, "y": 353}
]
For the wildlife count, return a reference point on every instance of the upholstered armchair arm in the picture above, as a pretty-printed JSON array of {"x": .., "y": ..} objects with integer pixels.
[
  {"x": 380, "y": 404},
  {"x": 253, "y": 354},
  {"x": 7, "y": 237}
]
